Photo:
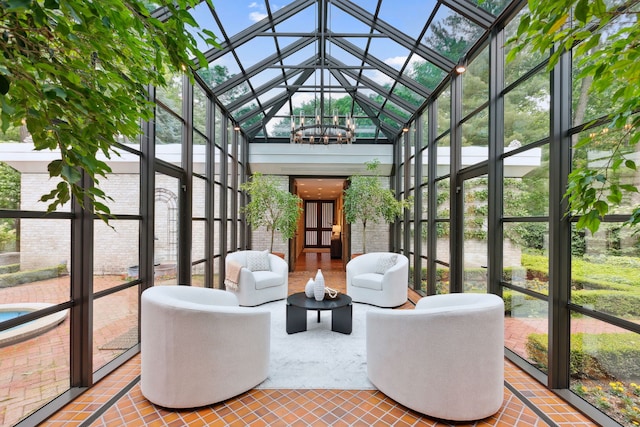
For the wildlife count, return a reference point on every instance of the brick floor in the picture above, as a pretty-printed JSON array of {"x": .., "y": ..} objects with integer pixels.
[{"x": 35, "y": 371}]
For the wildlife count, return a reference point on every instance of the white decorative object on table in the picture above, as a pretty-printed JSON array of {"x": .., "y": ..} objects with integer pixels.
[
  {"x": 309, "y": 288},
  {"x": 318, "y": 288}
]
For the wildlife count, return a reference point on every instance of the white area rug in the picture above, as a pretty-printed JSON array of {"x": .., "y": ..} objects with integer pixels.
[{"x": 317, "y": 358}]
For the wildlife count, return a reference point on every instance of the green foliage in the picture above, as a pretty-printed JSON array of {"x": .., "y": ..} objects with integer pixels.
[
  {"x": 606, "y": 51},
  {"x": 271, "y": 207},
  {"x": 11, "y": 268},
  {"x": 9, "y": 187},
  {"x": 367, "y": 201},
  {"x": 596, "y": 356},
  {"x": 616, "y": 303},
  {"x": 20, "y": 277},
  {"x": 77, "y": 73}
]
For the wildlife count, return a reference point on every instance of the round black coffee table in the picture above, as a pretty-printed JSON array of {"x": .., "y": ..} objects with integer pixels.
[{"x": 298, "y": 304}]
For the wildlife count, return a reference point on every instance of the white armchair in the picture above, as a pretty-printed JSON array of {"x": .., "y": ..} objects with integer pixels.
[
  {"x": 378, "y": 278},
  {"x": 444, "y": 359},
  {"x": 198, "y": 347},
  {"x": 264, "y": 277}
]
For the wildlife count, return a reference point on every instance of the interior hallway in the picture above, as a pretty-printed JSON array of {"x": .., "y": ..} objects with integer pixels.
[{"x": 117, "y": 401}]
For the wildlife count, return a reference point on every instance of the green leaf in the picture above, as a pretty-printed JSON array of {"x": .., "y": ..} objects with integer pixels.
[
  {"x": 558, "y": 24},
  {"x": 70, "y": 174},
  {"x": 55, "y": 168},
  {"x": 17, "y": 4},
  {"x": 599, "y": 8},
  {"x": 630, "y": 164},
  {"x": 582, "y": 10},
  {"x": 4, "y": 84}
]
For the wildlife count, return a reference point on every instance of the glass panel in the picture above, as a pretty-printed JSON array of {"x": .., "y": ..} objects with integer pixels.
[
  {"x": 444, "y": 111},
  {"x": 11, "y": 186},
  {"x": 526, "y": 111},
  {"x": 412, "y": 24},
  {"x": 218, "y": 126},
  {"x": 588, "y": 104},
  {"x": 446, "y": 25},
  {"x": 199, "y": 237},
  {"x": 197, "y": 274},
  {"x": 199, "y": 154},
  {"x": 525, "y": 60},
  {"x": 412, "y": 175},
  {"x": 526, "y": 327},
  {"x": 526, "y": 183},
  {"x": 200, "y": 102},
  {"x": 230, "y": 231},
  {"x": 216, "y": 238},
  {"x": 166, "y": 229},
  {"x": 475, "y": 212},
  {"x": 168, "y": 137},
  {"x": 425, "y": 132},
  {"x": 115, "y": 253},
  {"x": 199, "y": 197},
  {"x": 27, "y": 180},
  {"x": 171, "y": 94},
  {"x": 475, "y": 83},
  {"x": 604, "y": 368},
  {"x": 604, "y": 270},
  {"x": 493, "y": 7},
  {"x": 526, "y": 255},
  {"x": 217, "y": 156},
  {"x": 443, "y": 156},
  {"x": 424, "y": 209},
  {"x": 39, "y": 272},
  {"x": 442, "y": 272},
  {"x": 424, "y": 72},
  {"x": 602, "y": 145},
  {"x": 475, "y": 139},
  {"x": 217, "y": 280},
  {"x": 35, "y": 371},
  {"x": 115, "y": 325},
  {"x": 123, "y": 186},
  {"x": 443, "y": 200}
]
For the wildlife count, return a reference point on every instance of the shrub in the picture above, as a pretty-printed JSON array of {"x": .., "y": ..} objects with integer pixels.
[
  {"x": 620, "y": 304},
  {"x": 595, "y": 356},
  {"x": 11, "y": 268},
  {"x": 21, "y": 277}
]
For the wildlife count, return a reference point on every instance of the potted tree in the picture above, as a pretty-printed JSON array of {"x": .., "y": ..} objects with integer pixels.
[
  {"x": 271, "y": 206},
  {"x": 366, "y": 200}
]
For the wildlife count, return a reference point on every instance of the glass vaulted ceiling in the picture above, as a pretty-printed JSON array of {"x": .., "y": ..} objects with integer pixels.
[{"x": 378, "y": 60}]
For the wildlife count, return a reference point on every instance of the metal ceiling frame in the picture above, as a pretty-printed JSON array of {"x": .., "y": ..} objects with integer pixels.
[{"x": 350, "y": 78}]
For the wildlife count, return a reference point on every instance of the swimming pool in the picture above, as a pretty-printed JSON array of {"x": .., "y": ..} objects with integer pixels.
[{"x": 29, "y": 329}]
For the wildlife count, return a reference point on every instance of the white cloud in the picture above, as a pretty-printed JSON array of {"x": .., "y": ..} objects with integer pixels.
[
  {"x": 254, "y": 5},
  {"x": 257, "y": 16},
  {"x": 396, "y": 61}
]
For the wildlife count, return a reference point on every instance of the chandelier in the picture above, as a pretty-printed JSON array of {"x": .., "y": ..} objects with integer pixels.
[{"x": 342, "y": 130}]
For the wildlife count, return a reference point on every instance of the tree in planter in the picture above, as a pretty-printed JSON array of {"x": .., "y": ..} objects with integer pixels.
[
  {"x": 271, "y": 207},
  {"x": 367, "y": 201}
]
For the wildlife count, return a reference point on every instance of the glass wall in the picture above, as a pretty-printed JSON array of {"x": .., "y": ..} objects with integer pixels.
[
  {"x": 49, "y": 260},
  {"x": 551, "y": 276},
  {"x": 604, "y": 344}
]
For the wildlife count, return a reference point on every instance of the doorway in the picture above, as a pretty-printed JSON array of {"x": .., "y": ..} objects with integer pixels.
[
  {"x": 472, "y": 207},
  {"x": 321, "y": 228},
  {"x": 318, "y": 223}
]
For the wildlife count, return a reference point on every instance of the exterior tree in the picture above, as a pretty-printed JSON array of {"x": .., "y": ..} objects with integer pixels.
[
  {"x": 582, "y": 25},
  {"x": 367, "y": 201},
  {"x": 271, "y": 207},
  {"x": 77, "y": 73}
]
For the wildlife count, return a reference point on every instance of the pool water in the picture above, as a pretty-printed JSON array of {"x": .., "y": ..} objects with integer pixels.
[{"x": 8, "y": 315}]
